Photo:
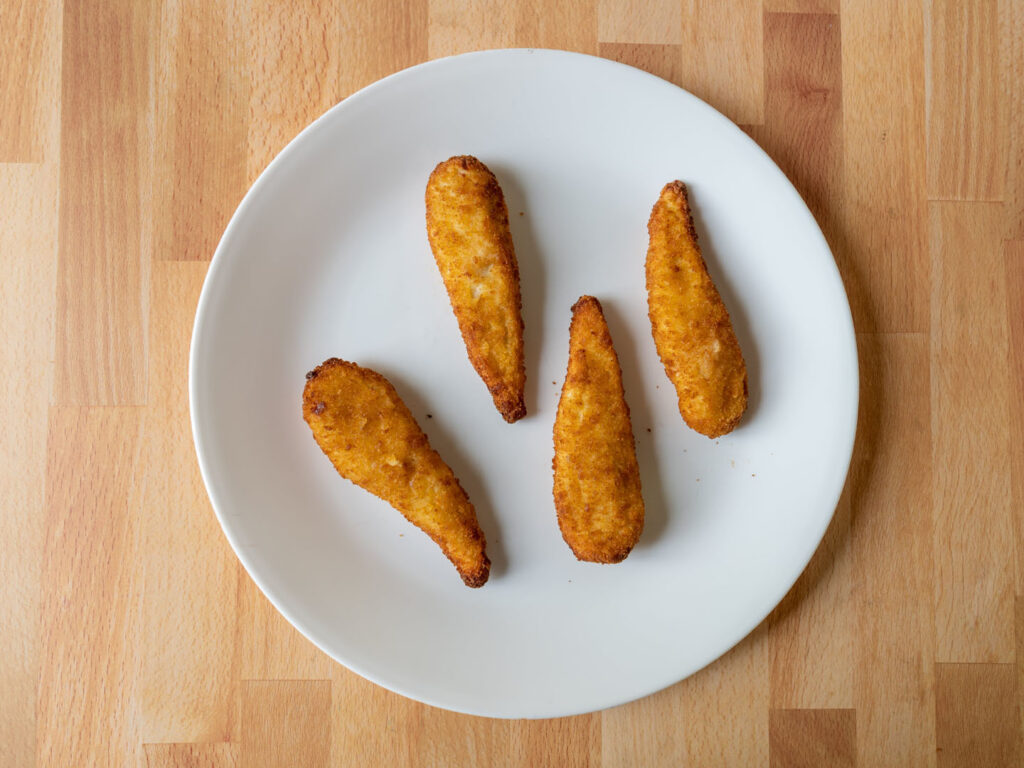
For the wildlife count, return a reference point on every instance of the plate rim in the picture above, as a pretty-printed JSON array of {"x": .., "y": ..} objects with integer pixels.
[{"x": 217, "y": 261}]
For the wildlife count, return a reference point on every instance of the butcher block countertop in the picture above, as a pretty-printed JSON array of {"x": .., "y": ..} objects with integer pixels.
[{"x": 129, "y": 633}]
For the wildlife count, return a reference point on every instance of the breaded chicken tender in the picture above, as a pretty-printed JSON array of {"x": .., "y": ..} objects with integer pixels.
[
  {"x": 690, "y": 324},
  {"x": 467, "y": 225},
  {"x": 597, "y": 479},
  {"x": 368, "y": 433}
]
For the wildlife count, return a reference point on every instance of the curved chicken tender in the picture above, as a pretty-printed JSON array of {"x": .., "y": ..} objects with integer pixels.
[
  {"x": 368, "y": 433},
  {"x": 467, "y": 224},
  {"x": 597, "y": 480},
  {"x": 690, "y": 324}
]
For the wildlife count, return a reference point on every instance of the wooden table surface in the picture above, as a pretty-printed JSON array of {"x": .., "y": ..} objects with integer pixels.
[{"x": 130, "y": 129}]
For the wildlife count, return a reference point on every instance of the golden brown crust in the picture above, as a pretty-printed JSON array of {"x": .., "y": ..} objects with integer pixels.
[
  {"x": 689, "y": 322},
  {"x": 368, "y": 433},
  {"x": 597, "y": 479},
  {"x": 467, "y": 225}
]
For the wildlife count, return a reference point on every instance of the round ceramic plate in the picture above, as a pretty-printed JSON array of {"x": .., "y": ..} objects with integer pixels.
[{"x": 327, "y": 256}]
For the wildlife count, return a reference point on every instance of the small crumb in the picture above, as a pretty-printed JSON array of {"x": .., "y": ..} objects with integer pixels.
[
  {"x": 401, "y": 535},
  {"x": 698, "y": 479},
  {"x": 555, "y": 383},
  {"x": 752, "y": 474},
  {"x": 716, "y": 442},
  {"x": 430, "y": 415},
  {"x": 657, "y": 386},
  {"x": 732, "y": 463},
  {"x": 570, "y": 581},
  {"x": 319, "y": 408},
  {"x": 648, "y": 429},
  {"x": 520, "y": 213}
]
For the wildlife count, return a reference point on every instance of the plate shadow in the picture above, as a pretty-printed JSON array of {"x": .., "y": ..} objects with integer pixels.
[
  {"x": 737, "y": 312},
  {"x": 640, "y": 415},
  {"x": 532, "y": 279}
]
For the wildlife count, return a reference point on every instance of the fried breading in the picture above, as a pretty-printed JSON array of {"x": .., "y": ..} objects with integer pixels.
[
  {"x": 467, "y": 225},
  {"x": 597, "y": 479},
  {"x": 368, "y": 433},
  {"x": 690, "y": 324}
]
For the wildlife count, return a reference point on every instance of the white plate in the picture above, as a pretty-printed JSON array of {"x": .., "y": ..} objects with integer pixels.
[{"x": 328, "y": 256}]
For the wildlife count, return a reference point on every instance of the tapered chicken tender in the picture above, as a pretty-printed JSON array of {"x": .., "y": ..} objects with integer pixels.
[
  {"x": 467, "y": 225},
  {"x": 597, "y": 480},
  {"x": 690, "y": 324},
  {"x": 368, "y": 433}
]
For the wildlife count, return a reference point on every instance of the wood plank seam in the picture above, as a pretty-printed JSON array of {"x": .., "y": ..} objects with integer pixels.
[{"x": 934, "y": 551}]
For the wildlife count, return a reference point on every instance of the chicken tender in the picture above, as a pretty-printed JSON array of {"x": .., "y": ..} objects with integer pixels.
[
  {"x": 467, "y": 225},
  {"x": 690, "y": 324},
  {"x": 368, "y": 433},
  {"x": 597, "y": 479}
]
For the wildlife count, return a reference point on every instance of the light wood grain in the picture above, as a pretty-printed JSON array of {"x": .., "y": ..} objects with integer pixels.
[
  {"x": 369, "y": 724},
  {"x": 103, "y": 264},
  {"x": 88, "y": 708},
  {"x": 649, "y": 731},
  {"x": 976, "y": 715},
  {"x": 191, "y": 755},
  {"x": 890, "y": 486},
  {"x": 569, "y": 25},
  {"x": 665, "y": 61},
  {"x": 29, "y": 80},
  {"x": 270, "y": 648},
  {"x": 723, "y": 56},
  {"x": 1014, "y": 254},
  {"x": 715, "y": 718},
  {"x": 1020, "y": 669},
  {"x": 801, "y": 6},
  {"x": 131, "y": 635},
  {"x": 188, "y": 680},
  {"x": 718, "y": 717},
  {"x": 457, "y": 27},
  {"x": 809, "y": 738},
  {"x": 637, "y": 21},
  {"x": 967, "y": 130},
  {"x": 201, "y": 118},
  {"x": 294, "y": 72},
  {"x": 974, "y": 554},
  {"x": 28, "y": 253},
  {"x": 570, "y": 741},
  {"x": 724, "y": 707},
  {"x": 886, "y": 266},
  {"x": 812, "y": 638},
  {"x": 286, "y": 722},
  {"x": 1011, "y": 65},
  {"x": 380, "y": 39},
  {"x": 803, "y": 125}
]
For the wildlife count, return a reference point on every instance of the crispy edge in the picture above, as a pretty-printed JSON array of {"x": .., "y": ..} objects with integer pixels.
[
  {"x": 707, "y": 427},
  {"x": 510, "y": 401},
  {"x": 563, "y": 507},
  {"x": 475, "y": 576}
]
